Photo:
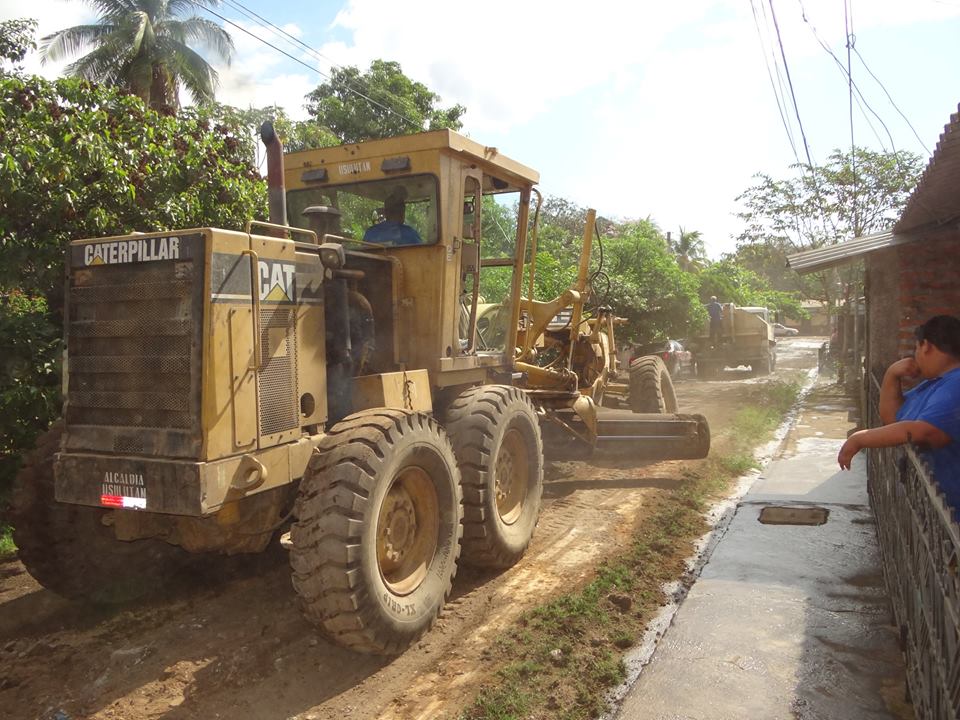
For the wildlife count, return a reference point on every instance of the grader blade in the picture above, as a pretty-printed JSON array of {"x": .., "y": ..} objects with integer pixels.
[{"x": 655, "y": 436}]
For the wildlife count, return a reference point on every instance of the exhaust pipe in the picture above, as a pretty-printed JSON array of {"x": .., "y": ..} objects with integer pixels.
[{"x": 276, "y": 195}]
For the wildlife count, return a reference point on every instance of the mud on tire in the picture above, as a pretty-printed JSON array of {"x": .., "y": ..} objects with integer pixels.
[
  {"x": 496, "y": 438},
  {"x": 651, "y": 387},
  {"x": 376, "y": 542},
  {"x": 69, "y": 550}
]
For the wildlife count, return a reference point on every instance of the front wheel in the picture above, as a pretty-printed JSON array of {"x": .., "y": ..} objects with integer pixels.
[
  {"x": 651, "y": 387},
  {"x": 497, "y": 441},
  {"x": 376, "y": 541}
]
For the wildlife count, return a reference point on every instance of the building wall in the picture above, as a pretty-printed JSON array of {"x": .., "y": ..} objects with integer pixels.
[
  {"x": 906, "y": 286},
  {"x": 883, "y": 308}
]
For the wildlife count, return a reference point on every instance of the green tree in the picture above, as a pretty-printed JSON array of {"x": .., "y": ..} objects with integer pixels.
[
  {"x": 852, "y": 194},
  {"x": 85, "y": 161},
  {"x": 381, "y": 102},
  {"x": 729, "y": 281},
  {"x": 145, "y": 47},
  {"x": 689, "y": 249},
  {"x": 646, "y": 285},
  {"x": 16, "y": 39}
]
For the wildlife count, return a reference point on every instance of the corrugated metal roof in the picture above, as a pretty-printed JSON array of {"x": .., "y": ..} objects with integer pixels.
[
  {"x": 936, "y": 199},
  {"x": 842, "y": 253}
]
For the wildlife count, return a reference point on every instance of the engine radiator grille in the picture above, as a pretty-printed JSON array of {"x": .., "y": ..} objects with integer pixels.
[
  {"x": 279, "y": 396},
  {"x": 134, "y": 342}
]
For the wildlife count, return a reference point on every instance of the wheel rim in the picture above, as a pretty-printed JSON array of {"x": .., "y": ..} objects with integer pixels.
[
  {"x": 407, "y": 530},
  {"x": 512, "y": 474}
]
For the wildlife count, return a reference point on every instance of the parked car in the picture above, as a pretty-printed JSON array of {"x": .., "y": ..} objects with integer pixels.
[
  {"x": 779, "y": 329},
  {"x": 674, "y": 356}
]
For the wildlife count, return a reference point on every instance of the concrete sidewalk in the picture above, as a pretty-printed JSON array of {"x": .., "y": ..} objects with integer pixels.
[{"x": 785, "y": 621}]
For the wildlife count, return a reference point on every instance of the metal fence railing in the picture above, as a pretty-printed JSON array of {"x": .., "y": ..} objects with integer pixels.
[{"x": 920, "y": 545}]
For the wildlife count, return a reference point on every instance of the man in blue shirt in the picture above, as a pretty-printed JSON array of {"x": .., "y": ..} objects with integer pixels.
[
  {"x": 929, "y": 414},
  {"x": 715, "y": 310},
  {"x": 393, "y": 230}
]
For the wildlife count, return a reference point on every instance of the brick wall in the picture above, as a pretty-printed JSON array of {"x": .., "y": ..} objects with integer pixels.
[
  {"x": 883, "y": 308},
  {"x": 929, "y": 284}
]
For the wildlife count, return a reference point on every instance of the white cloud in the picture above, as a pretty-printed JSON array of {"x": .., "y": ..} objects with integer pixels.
[
  {"x": 51, "y": 16},
  {"x": 259, "y": 76}
]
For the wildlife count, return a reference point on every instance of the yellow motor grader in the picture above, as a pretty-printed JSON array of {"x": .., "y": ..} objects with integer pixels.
[{"x": 365, "y": 365}]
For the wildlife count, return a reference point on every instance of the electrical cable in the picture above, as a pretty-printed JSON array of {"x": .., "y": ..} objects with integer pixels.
[
  {"x": 294, "y": 40},
  {"x": 412, "y": 122},
  {"x": 793, "y": 96},
  {"x": 860, "y": 98},
  {"x": 895, "y": 107},
  {"x": 848, "y": 34},
  {"x": 773, "y": 86}
]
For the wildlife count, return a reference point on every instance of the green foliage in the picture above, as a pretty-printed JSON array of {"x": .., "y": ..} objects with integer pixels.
[
  {"x": 16, "y": 39},
  {"x": 81, "y": 160},
  {"x": 731, "y": 282},
  {"x": 689, "y": 249},
  {"x": 29, "y": 377},
  {"x": 647, "y": 286},
  {"x": 144, "y": 47},
  {"x": 399, "y": 106},
  {"x": 850, "y": 195},
  {"x": 294, "y": 134}
]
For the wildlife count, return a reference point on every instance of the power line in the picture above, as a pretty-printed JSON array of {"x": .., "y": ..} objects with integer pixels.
[
  {"x": 848, "y": 34},
  {"x": 906, "y": 120},
  {"x": 793, "y": 96},
  {"x": 773, "y": 86},
  {"x": 861, "y": 98},
  {"x": 412, "y": 122}
]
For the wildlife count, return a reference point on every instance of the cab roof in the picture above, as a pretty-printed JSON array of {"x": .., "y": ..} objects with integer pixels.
[{"x": 442, "y": 140}]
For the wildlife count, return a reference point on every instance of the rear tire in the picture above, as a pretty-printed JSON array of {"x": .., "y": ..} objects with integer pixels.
[
  {"x": 376, "y": 542},
  {"x": 651, "y": 388},
  {"x": 69, "y": 550},
  {"x": 496, "y": 438}
]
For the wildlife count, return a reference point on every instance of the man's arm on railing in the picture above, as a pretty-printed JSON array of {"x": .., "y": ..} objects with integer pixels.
[
  {"x": 898, "y": 433},
  {"x": 891, "y": 392}
]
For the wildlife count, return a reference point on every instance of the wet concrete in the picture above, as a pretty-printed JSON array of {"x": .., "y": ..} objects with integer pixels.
[{"x": 785, "y": 621}]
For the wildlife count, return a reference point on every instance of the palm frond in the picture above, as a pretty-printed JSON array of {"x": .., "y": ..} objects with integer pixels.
[
  {"x": 71, "y": 41},
  {"x": 196, "y": 74},
  {"x": 209, "y": 34},
  {"x": 101, "y": 65}
]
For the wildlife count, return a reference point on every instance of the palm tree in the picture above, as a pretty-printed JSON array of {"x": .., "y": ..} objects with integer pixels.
[
  {"x": 144, "y": 47},
  {"x": 689, "y": 249}
]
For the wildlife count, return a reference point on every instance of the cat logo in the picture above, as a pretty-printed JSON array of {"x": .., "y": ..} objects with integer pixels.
[{"x": 277, "y": 282}]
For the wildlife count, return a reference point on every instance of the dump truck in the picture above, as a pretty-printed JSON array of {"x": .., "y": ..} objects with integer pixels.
[
  {"x": 362, "y": 377},
  {"x": 746, "y": 339}
]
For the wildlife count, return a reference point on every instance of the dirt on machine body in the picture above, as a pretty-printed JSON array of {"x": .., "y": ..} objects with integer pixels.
[{"x": 369, "y": 366}]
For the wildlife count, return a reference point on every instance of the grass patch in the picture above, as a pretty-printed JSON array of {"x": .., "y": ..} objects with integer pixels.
[
  {"x": 7, "y": 548},
  {"x": 560, "y": 658}
]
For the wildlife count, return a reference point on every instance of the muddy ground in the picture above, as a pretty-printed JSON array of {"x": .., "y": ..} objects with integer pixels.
[{"x": 235, "y": 645}]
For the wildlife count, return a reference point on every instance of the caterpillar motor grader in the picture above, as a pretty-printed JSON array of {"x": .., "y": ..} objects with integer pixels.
[{"x": 389, "y": 397}]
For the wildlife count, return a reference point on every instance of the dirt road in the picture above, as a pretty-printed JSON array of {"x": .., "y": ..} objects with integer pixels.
[{"x": 236, "y": 646}]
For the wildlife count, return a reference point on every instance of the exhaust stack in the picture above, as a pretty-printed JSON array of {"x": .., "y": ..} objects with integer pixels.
[{"x": 276, "y": 195}]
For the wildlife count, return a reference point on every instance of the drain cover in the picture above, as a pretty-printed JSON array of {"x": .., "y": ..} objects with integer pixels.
[{"x": 775, "y": 515}]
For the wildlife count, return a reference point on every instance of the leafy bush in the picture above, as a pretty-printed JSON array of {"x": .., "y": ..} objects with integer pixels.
[
  {"x": 29, "y": 377},
  {"x": 81, "y": 160}
]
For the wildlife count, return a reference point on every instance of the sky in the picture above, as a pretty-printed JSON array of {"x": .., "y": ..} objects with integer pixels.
[{"x": 637, "y": 109}]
